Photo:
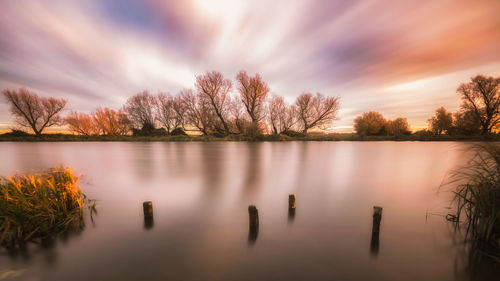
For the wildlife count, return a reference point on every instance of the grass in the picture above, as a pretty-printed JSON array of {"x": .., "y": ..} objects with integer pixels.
[
  {"x": 309, "y": 137},
  {"x": 477, "y": 198},
  {"x": 38, "y": 206}
]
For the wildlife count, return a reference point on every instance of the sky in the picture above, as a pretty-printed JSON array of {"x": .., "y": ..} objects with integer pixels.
[{"x": 402, "y": 58}]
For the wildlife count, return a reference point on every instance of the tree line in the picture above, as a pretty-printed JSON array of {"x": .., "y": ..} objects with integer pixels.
[
  {"x": 211, "y": 108},
  {"x": 479, "y": 114}
]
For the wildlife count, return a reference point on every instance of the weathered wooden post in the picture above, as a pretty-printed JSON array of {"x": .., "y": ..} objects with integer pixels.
[
  {"x": 253, "y": 214},
  {"x": 147, "y": 208},
  {"x": 291, "y": 207},
  {"x": 253, "y": 230},
  {"x": 377, "y": 217},
  {"x": 291, "y": 201}
]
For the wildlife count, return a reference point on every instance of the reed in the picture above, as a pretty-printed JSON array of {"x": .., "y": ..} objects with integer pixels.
[
  {"x": 36, "y": 206},
  {"x": 477, "y": 197}
]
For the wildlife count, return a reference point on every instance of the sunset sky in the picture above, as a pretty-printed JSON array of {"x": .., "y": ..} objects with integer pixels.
[{"x": 402, "y": 58}]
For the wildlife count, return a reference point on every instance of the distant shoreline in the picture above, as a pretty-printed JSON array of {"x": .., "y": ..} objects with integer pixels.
[{"x": 263, "y": 138}]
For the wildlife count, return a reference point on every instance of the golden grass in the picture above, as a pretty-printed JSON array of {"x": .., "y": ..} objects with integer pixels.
[{"x": 40, "y": 205}]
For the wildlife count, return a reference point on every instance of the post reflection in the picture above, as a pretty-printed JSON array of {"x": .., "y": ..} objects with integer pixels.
[
  {"x": 291, "y": 215},
  {"x": 149, "y": 222},
  {"x": 253, "y": 233},
  {"x": 374, "y": 244}
]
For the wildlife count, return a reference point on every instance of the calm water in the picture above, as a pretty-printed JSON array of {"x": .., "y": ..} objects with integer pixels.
[{"x": 201, "y": 192}]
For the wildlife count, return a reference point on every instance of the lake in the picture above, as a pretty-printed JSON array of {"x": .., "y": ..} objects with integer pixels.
[{"x": 201, "y": 193}]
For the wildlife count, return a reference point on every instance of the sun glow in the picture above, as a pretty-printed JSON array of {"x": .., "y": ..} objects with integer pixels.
[{"x": 215, "y": 8}]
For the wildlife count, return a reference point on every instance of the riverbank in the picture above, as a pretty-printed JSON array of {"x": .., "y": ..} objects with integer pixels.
[{"x": 311, "y": 137}]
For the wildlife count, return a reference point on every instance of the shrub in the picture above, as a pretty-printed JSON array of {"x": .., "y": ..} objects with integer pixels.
[
  {"x": 149, "y": 131},
  {"x": 16, "y": 133},
  {"x": 293, "y": 134},
  {"x": 178, "y": 132}
]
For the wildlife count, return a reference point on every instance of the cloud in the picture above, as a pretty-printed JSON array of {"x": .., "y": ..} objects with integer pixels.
[{"x": 369, "y": 53}]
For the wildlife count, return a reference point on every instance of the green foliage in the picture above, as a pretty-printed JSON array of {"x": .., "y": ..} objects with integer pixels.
[{"x": 40, "y": 205}]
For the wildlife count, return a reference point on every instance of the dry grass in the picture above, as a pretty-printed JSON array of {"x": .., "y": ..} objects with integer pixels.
[
  {"x": 477, "y": 197},
  {"x": 37, "y": 206}
]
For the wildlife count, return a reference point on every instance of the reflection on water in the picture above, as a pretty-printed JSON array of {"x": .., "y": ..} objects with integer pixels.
[
  {"x": 374, "y": 244},
  {"x": 253, "y": 233},
  {"x": 149, "y": 222},
  {"x": 254, "y": 168},
  {"x": 200, "y": 193},
  {"x": 291, "y": 214}
]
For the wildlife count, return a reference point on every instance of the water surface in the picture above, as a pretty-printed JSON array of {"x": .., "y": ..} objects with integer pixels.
[{"x": 201, "y": 192}]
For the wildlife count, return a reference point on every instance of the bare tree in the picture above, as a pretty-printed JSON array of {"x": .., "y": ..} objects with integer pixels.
[
  {"x": 442, "y": 121},
  {"x": 213, "y": 91},
  {"x": 253, "y": 93},
  {"x": 315, "y": 111},
  {"x": 281, "y": 115},
  {"x": 82, "y": 124},
  {"x": 112, "y": 122},
  {"x": 166, "y": 114},
  {"x": 239, "y": 121},
  {"x": 180, "y": 112},
  {"x": 198, "y": 114},
  {"x": 141, "y": 110},
  {"x": 33, "y": 111},
  {"x": 482, "y": 97}
]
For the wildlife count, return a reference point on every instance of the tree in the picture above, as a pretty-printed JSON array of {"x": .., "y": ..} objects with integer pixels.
[
  {"x": 370, "y": 123},
  {"x": 198, "y": 114},
  {"x": 112, "y": 122},
  {"x": 398, "y": 127},
  {"x": 466, "y": 123},
  {"x": 180, "y": 112},
  {"x": 33, "y": 111},
  {"x": 82, "y": 124},
  {"x": 442, "y": 121},
  {"x": 253, "y": 93},
  {"x": 141, "y": 111},
  {"x": 482, "y": 97},
  {"x": 281, "y": 115},
  {"x": 166, "y": 114},
  {"x": 213, "y": 91},
  {"x": 315, "y": 111},
  {"x": 239, "y": 121}
]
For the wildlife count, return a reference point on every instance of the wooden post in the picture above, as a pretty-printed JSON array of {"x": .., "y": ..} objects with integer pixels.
[
  {"x": 147, "y": 207},
  {"x": 377, "y": 217},
  {"x": 253, "y": 214},
  {"x": 291, "y": 201}
]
